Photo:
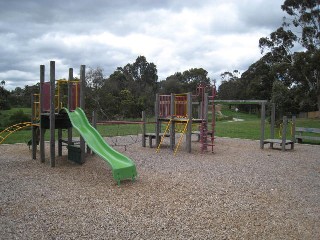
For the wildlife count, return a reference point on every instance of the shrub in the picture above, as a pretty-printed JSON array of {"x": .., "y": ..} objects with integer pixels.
[{"x": 18, "y": 117}]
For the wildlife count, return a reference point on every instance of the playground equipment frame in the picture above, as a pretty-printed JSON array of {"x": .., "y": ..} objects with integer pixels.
[{"x": 51, "y": 116}]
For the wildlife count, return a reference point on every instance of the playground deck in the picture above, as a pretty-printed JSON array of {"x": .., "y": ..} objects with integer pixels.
[{"x": 238, "y": 192}]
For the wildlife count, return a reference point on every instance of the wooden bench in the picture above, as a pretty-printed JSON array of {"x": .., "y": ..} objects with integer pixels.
[
  {"x": 301, "y": 130},
  {"x": 279, "y": 141},
  {"x": 153, "y": 136}
]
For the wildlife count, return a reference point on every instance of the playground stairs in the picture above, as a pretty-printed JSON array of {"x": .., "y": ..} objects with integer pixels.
[
  {"x": 185, "y": 127},
  {"x": 164, "y": 134}
]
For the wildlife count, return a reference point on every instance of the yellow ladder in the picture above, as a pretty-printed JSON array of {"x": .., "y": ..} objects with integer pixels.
[
  {"x": 9, "y": 130},
  {"x": 181, "y": 137},
  {"x": 164, "y": 135}
]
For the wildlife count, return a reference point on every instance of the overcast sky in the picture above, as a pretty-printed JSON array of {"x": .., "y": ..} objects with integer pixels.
[{"x": 176, "y": 35}]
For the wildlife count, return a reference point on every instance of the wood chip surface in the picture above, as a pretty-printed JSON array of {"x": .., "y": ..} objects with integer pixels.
[{"x": 237, "y": 192}]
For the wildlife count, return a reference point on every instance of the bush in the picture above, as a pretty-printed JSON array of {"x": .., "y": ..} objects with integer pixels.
[{"x": 19, "y": 117}]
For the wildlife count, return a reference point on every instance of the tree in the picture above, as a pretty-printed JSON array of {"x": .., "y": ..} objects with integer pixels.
[
  {"x": 184, "y": 82},
  {"x": 258, "y": 80},
  {"x": 94, "y": 78},
  {"x": 305, "y": 77},
  {"x": 142, "y": 73},
  {"x": 172, "y": 84},
  {"x": 230, "y": 86},
  {"x": 282, "y": 98},
  {"x": 125, "y": 93},
  {"x": 4, "y": 94},
  {"x": 300, "y": 69},
  {"x": 128, "y": 105},
  {"x": 141, "y": 77},
  {"x": 305, "y": 16},
  {"x": 94, "y": 83},
  {"x": 193, "y": 77}
]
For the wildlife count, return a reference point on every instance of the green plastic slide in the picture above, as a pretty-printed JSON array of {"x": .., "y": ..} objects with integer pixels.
[{"x": 122, "y": 167}]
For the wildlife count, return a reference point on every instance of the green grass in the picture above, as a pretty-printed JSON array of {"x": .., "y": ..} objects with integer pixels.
[
  {"x": 309, "y": 123},
  {"x": 247, "y": 129},
  {"x": 250, "y": 127},
  {"x": 20, "y": 136}
]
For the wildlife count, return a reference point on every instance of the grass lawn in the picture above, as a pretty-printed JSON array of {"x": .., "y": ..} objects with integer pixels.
[{"x": 247, "y": 127}]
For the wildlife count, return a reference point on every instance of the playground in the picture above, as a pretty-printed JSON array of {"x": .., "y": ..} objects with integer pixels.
[
  {"x": 178, "y": 180},
  {"x": 239, "y": 192}
]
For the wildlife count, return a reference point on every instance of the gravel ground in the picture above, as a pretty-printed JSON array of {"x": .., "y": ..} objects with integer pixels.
[{"x": 237, "y": 192}]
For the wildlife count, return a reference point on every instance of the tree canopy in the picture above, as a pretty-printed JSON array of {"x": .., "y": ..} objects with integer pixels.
[{"x": 290, "y": 63}]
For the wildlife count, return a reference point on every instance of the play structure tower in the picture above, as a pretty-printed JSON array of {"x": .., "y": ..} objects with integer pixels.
[
  {"x": 51, "y": 117},
  {"x": 177, "y": 110}
]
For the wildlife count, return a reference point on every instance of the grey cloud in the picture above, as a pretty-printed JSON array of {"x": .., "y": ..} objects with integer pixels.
[
  {"x": 261, "y": 14},
  {"x": 34, "y": 32}
]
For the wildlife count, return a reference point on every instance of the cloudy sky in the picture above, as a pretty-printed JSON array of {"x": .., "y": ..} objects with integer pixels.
[{"x": 176, "y": 35}]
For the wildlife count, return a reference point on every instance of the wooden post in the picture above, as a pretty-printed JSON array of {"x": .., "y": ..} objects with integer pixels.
[
  {"x": 284, "y": 132},
  {"x": 205, "y": 118},
  {"x": 263, "y": 119},
  {"x": 42, "y": 129},
  {"x": 70, "y": 98},
  {"x": 273, "y": 120},
  {"x": 143, "y": 129},
  {"x": 52, "y": 113},
  {"x": 34, "y": 129},
  {"x": 82, "y": 105},
  {"x": 156, "y": 113},
  {"x": 59, "y": 142},
  {"x": 213, "y": 123},
  {"x": 189, "y": 127},
  {"x": 293, "y": 131},
  {"x": 59, "y": 129},
  {"x": 173, "y": 124}
]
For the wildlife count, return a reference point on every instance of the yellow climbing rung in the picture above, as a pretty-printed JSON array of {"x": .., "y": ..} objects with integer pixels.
[
  {"x": 9, "y": 130},
  {"x": 181, "y": 137},
  {"x": 164, "y": 135}
]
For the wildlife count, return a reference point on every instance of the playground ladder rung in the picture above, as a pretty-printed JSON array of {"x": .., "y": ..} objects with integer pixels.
[
  {"x": 181, "y": 137},
  {"x": 163, "y": 136},
  {"x": 8, "y": 131}
]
